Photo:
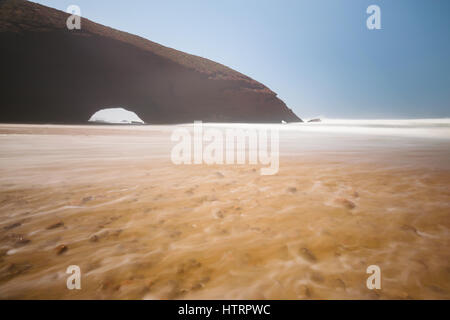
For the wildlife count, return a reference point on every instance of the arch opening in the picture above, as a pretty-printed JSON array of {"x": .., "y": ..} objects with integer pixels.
[{"x": 116, "y": 116}]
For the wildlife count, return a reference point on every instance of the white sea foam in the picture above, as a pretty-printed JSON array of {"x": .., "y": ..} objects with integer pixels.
[
  {"x": 425, "y": 128},
  {"x": 418, "y": 128}
]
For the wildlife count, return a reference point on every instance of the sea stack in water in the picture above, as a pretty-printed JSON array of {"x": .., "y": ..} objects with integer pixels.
[{"x": 55, "y": 75}]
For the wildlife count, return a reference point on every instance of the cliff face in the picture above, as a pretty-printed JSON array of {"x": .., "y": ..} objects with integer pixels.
[{"x": 53, "y": 75}]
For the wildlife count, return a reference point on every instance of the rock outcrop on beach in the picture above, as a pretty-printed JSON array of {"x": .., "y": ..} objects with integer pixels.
[{"x": 54, "y": 75}]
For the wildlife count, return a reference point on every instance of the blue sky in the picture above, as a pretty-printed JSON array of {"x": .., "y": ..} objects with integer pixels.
[{"x": 318, "y": 55}]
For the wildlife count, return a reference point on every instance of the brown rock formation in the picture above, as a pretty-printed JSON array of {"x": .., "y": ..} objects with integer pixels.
[{"x": 53, "y": 75}]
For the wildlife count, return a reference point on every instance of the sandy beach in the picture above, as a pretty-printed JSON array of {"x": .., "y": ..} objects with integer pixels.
[{"x": 109, "y": 199}]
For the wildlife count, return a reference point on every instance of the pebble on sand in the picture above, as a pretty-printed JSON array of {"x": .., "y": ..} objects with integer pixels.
[
  {"x": 304, "y": 291},
  {"x": 346, "y": 203},
  {"x": 87, "y": 199},
  {"x": 12, "y": 226},
  {"x": 340, "y": 284},
  {"x": 56, "y": 225},
  {"x": 22, "y": 241},
  {"x": 61, "y": 249},
  {"x": 317, "y": 277},
  {"x": 308, "y": 255},
  {"x": 17, "y": 240},
  {"x": 219, "y": 214},
  {"x": 13, "y": 270}
]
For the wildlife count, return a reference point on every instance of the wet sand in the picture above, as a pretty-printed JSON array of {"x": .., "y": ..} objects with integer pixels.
[{"x": 109, "y": 200}]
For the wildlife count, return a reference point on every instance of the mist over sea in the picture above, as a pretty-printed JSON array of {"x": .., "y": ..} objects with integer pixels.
[{"x": 420, "y": 128}]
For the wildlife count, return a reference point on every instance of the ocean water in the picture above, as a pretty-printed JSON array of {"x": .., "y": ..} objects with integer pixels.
[{"x": 413, "y": 128}]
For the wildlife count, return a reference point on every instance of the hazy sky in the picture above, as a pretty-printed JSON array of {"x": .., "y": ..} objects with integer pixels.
[{"x": 318, "y": 55}]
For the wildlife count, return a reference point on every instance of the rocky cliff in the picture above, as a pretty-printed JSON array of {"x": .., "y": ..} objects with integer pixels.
[{"x": 53, "y": 75}]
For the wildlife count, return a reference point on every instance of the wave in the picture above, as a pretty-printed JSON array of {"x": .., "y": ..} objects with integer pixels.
[{"x": 414, "y": 128}]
